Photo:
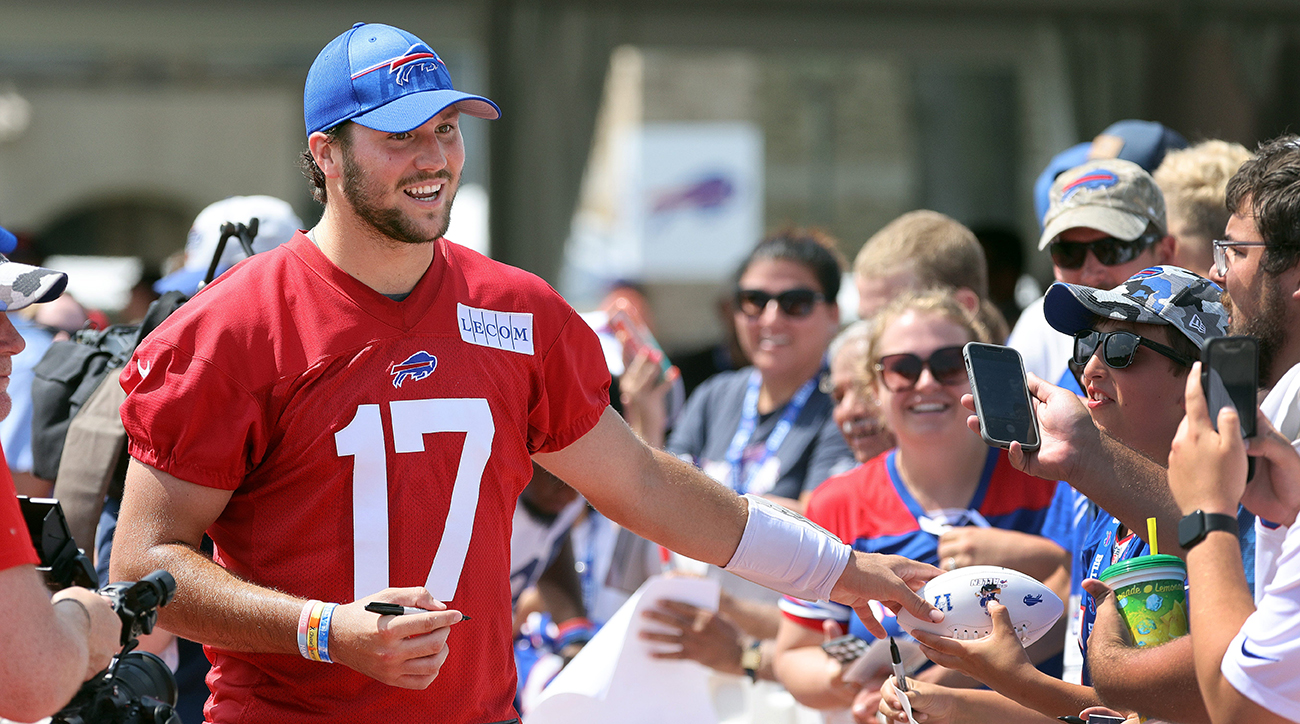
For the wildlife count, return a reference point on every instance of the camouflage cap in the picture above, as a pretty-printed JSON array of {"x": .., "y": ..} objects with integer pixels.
[
  {"x": 1159, "y": 295},
  {"x": 1109, "y": 195},
  {"x": 22, "y": 285}
]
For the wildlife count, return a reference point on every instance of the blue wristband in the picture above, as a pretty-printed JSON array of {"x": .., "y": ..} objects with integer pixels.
[{"x": 323, "y": 642}]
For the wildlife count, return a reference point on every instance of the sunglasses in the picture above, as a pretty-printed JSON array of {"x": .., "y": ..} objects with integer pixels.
[
  {"x": 1108, "y": 250},
  {"x": 1118, "y": 348},
  {"x": 792, "y": 302},
  {"x": 900, "y": 372}
]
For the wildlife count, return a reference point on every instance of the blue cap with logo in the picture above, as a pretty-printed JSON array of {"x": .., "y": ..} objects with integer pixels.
[
  {"x": 382, "y": 78},
  {"x": 1142, "y": 142}
]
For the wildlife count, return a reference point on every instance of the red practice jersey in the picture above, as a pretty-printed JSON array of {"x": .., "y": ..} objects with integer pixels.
[
  {"x": 15, "y": 542},
  {"x": 368, "y": 443}
]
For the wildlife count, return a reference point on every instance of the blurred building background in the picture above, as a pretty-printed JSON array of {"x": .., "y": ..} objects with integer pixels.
[{"x": 120, "y": 120}]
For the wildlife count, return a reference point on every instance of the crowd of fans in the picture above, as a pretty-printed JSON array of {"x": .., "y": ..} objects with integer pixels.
[{"x": 867, "y": 431}]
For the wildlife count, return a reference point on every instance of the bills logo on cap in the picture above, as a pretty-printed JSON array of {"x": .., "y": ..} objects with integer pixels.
[
  {"x": 1091, "y": 181},
  {"x": 401, "y": 65},
  {"x": 414, "y": 368}
]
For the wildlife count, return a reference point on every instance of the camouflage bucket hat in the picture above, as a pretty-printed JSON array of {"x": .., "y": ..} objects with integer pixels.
[
  {"x": 1159, "y": 295},
  {"x": 22, "y": 285}
]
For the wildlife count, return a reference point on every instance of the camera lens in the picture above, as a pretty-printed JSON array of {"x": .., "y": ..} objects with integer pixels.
[{"x": 143, "y": 674}]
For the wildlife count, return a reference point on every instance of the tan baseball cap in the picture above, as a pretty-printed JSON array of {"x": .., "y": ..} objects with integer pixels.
[{"x": 1109, "y": 195}]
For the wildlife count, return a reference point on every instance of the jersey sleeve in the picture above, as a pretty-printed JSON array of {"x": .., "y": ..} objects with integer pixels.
[
  {"x": 1261, "y": 661},
  {"x": 15, "y": 543},
  {"x": 810, "y": 614},
  {"x": 575, "y": 388},
  {"x": 188, "y": 418}
]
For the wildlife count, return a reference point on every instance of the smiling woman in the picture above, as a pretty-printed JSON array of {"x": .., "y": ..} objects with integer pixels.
[
  {"x": 768, "y": 429},
  {"x": 938, "y": 478}
]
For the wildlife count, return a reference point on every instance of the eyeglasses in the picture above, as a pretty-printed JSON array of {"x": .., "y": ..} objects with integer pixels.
[
  {"x": 900, "y": 372},
  {"x": 1221, "y": 253},
  {"x": 792, "y": 302},
  {"x": 1108, "y": 250},
  {"x": 1118, "y": 348}
]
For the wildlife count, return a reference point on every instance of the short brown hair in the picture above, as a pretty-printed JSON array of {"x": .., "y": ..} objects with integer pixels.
[
  {"x": 1267, "y": 187},
  {"x": 938, "y": 249},
  {"x": 1195, "y": 182},
  {"x": 307, "y": 164}
]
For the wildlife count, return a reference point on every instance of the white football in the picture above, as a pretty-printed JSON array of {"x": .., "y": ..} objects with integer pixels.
[{"x": 963, "y": 596}]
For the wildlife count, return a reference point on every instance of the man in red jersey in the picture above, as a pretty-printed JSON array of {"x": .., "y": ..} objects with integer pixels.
[{"x": 352, "y": 415}]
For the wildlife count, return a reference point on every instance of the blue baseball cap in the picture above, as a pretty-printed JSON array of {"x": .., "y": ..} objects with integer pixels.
[
  {"x": 382, "y": 78},
  {"x": 1142, "y": 142}
]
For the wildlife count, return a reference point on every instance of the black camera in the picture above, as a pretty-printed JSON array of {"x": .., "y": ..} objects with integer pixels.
[{"x": 137, "y": 687}]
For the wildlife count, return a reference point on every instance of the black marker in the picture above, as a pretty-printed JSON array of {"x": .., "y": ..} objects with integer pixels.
[
  {"x": 393, "y": 609},
  {"x": 900, "y": 676}
]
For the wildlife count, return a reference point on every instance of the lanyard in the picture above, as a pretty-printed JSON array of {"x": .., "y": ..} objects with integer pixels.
[{"x": 749, "y": 423}]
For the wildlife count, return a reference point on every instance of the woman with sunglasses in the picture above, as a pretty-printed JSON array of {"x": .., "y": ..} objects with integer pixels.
[
  {"x": 1135, "y": 344},
  {"x": 768, "y": 429},
  {"x": 939, "y": 476}
]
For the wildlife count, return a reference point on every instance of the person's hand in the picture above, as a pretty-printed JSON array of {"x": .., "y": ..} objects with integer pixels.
[
  {"x": 1207, "y": 470},
  {"x": 892, "y": 580},
  {"x": 970, "y": 545},
  {"x": 104, "y": 634},
  {"x": 931, "y": 703},
  {"x": 1129, "y": 718},
  {"x": 405, "y": 651},
  {"x": 1109, "y": 632},
  {"x": 995, "y": 658},
  {"x": 643, "y": 391},
  {"x": 1274, "y": 493},
  {"x": 1068, "y": 438},
  {"x": 701, "y": 635}
]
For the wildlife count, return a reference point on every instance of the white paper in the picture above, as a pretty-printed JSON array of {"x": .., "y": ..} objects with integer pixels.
[{"x": 614, "y": 680}]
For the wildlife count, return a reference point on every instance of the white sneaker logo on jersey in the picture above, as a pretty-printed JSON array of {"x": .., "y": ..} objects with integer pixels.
[
  {"x": 143, "y": 367},
  {"x": 510, "y": 331}
]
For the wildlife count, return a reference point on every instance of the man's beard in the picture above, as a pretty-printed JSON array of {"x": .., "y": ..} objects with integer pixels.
[
  {"x": 1267, "y": 326},
  {"x": 391, "y": 222}
]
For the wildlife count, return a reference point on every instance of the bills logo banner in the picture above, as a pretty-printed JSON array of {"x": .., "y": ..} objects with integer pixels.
[{"x": 510, "y": 331}]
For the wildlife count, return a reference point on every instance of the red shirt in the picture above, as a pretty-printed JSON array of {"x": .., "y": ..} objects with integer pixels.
[
  {"x": 368, "y": 443},
  {"x": 15, "y": 542}
]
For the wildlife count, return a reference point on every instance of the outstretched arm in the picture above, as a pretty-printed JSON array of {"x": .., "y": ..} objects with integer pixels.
[
  {"x": 49, "y": 650},
  {"x": 1207, "y": 472},
  {"x": 1158, "y": 681},
  {"x": 1001, "y": 663},
  {"x": 653, "y": 494},
  {"x": 161, "y": 524},
  {"x": 1123, "y": 482}
]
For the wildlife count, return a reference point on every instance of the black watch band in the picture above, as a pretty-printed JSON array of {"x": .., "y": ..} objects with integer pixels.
[{"x": 1194, "y": 526}]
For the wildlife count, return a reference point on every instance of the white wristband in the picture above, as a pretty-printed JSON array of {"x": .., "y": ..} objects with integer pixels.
[{"x": 787, "y": 552}]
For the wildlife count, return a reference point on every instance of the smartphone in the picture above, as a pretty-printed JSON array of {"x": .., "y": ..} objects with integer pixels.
[
  {"x": 1230, "y": 377},
  {"x": 846, "y": 649},
  {"x": 62, "y": 562},
  {"x": 633, "y": 333},
  {"x": 997, "y": 382}
]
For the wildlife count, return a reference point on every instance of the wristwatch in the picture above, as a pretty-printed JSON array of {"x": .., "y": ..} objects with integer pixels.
[
  {"x": 1194, "y": 526},
  {"x": 751, "y": 659}
]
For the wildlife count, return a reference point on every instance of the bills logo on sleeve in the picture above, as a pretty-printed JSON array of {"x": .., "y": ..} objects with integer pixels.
[{"x": 509, "y": 331}]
